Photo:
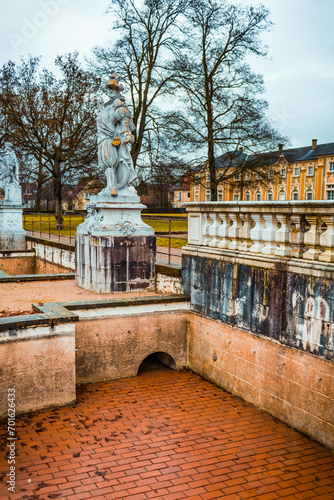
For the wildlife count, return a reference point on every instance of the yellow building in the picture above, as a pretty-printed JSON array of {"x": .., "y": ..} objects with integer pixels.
[{"x": 305, "y": 173}]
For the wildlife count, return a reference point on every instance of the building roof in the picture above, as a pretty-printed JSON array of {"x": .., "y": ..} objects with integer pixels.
[{"x": 306, "y": 153}]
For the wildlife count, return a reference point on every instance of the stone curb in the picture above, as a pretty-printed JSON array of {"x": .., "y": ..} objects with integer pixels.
[{"x": 60, "y": 312}]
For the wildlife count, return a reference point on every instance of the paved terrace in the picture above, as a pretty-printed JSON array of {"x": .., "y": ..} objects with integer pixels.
[{"x": 163, "y": 435}]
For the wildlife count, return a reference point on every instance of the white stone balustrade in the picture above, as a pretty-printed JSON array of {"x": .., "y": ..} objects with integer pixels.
[{"x": 290, "y": 229}]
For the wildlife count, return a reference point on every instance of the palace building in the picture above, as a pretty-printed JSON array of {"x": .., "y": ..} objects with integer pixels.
[{"x": 305, "y": 173}]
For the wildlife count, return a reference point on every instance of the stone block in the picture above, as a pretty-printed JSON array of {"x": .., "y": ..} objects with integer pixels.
[{"x": 115, "y": 263}]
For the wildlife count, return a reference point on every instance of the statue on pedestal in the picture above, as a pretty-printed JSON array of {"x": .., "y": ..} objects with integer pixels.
[
  {"x": 115, "y": 249},
  {"x": 114, "y": 135},
  {"x": 9, "y": 176}
]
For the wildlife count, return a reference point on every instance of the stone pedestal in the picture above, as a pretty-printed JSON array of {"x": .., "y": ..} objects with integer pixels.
[
  {"x": 115, "y": 250},
  {"x": 12, "y": 234}
]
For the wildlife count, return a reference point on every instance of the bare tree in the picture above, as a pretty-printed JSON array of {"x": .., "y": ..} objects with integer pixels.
[
  {"x": 219, "y": 106},
  {"x": 146, "y": 35},
  {"x": 50, "y": 119}
]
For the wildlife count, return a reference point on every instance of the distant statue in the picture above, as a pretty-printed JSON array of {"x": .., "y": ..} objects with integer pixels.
[
  {"x": 9, "y": 175},
  {"x": 9, "y": 166},
  {"x": 114, "y": 135}
]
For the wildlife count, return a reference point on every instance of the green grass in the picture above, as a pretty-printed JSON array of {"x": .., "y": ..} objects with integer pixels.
[{"x": 47, "y": 224}]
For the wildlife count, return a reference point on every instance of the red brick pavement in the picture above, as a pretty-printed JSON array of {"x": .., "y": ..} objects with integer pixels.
[{"x": 163, "y": 435}]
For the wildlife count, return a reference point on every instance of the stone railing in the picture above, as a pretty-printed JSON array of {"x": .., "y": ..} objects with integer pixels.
[{"x": 292, "y": 229}]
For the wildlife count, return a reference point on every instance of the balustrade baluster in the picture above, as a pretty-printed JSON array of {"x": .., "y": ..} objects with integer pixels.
[
  {"x": 213, "y": 230},
  {"x": 327, "y": 239},
  {"x": 256, "y": 233},
  {"x": 223, "y": 230},
  {"x": 206, "y": 229},
  {"x": 234, "y": 231},
  {"x": 269, "y": 234},
  {"x": 244, "y": 232},
  {"x": 296, "y": 237},
  {"x": 283, "y": 235},
  {"x": 312, "y": 238}
]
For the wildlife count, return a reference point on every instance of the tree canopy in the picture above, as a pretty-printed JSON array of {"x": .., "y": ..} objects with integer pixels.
[
  {"x": 145, "y": 35},
  {"x": 219, "y": 109},
  {"x": 50, "y": 119}
]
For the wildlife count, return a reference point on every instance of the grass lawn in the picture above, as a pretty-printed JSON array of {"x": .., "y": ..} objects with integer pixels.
[{"x": 45, "y": 223}]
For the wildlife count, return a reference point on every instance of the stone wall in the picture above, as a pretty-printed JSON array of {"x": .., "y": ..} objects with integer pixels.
[
  {"x": 282, "y": 304},
  {"x": 115, "y": 347},
  {"x": 260, "y": 277},
  {"x": 292, "y": 385},
  {"x": 17, "y": 262},
  {"x": 52, "y": 254},
  {"x": 39, "y": 363}
]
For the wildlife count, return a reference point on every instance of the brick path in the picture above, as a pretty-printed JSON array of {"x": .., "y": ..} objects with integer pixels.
[{"x": 164, "y": 435}]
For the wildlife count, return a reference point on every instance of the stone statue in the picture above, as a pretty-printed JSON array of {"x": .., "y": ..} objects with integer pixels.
[
  {"x": 9, "y": 175},
  {"x": 9, "y": 166},
  {"x": 114, "y": 135}
]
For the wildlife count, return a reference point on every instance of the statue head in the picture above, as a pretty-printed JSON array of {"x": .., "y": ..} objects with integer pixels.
[{"x": 114, "y": 84}]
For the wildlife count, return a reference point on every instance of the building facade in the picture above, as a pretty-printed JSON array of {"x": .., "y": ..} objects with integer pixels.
[{"x": 305, "y": 173}]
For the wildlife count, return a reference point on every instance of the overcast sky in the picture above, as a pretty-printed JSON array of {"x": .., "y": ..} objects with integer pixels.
[{"x": 299, "y": 77}]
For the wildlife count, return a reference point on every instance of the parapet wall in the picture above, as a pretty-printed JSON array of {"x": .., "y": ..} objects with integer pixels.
[
  {"x": 261, "y": 283},
  {"x": 267, "y": 268},
  {"x": 44, "y": 355}
]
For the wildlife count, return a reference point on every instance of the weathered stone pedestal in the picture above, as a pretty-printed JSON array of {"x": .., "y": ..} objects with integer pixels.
[
  {"x": 12, "y": 234},
  {"x": 115, "y": 250}
]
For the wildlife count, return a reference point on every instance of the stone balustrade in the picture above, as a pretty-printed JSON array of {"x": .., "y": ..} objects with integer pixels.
[{"x": 291, "y": 229}]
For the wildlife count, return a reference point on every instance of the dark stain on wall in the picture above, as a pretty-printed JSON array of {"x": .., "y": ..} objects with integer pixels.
[{"x": 294, "y": 309}]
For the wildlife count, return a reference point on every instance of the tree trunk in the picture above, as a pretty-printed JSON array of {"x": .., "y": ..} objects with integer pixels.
[
  {"x": 39, "y": 188},
  {"x": 57, "y": 195}
]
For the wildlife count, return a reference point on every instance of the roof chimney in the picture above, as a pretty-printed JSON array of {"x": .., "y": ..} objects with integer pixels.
[
  {"x": 280, "y": 148},
  {"x": 314, "y": 143}
]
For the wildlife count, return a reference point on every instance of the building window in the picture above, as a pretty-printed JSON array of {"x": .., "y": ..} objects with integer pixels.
[
  {"x": 330, "y": 192},
  {"x": 296, "y": 172},
  {"x": 331, "y": 166},
  {"x": 282, "y": 195},
  {"x": 196, "y": 196},
  {"x": 247, "y": 197},
  {"x": 309, "y": 195},
  {"x": 283, "y": 172},
  {"x": 237, "y": 176},
  {"x": 270, "y": 196},
  {"x": 294, "y": 195},
  {"x": 220, "y": 195},
  {"x": 271, "y": 174},
  {"x": 236, "y": 197},
  {"x": 188, "y": 194},
  {"x": 258, "y": 196},
  {"x": 180, "y": 194},
  {"x": 208, "y": 196},
  {"x": 310, "y": 170}
]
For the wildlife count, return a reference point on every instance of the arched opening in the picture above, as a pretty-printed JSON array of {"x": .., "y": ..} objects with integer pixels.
[{"x": 156, "y": 361}]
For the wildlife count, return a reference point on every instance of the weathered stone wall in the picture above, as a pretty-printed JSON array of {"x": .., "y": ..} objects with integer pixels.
[
  {"x": 52, "y": 252},
  {"x": 39, "y": 363},
  {"x": 106, "y": 264},
  {"x": 18, "y": 262},
  {"x": 283, "y": 302},
  {"x": 290, "y": 384},
  {"x": 114, "y": 346},
  {"x": 168, "y": 278}
]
